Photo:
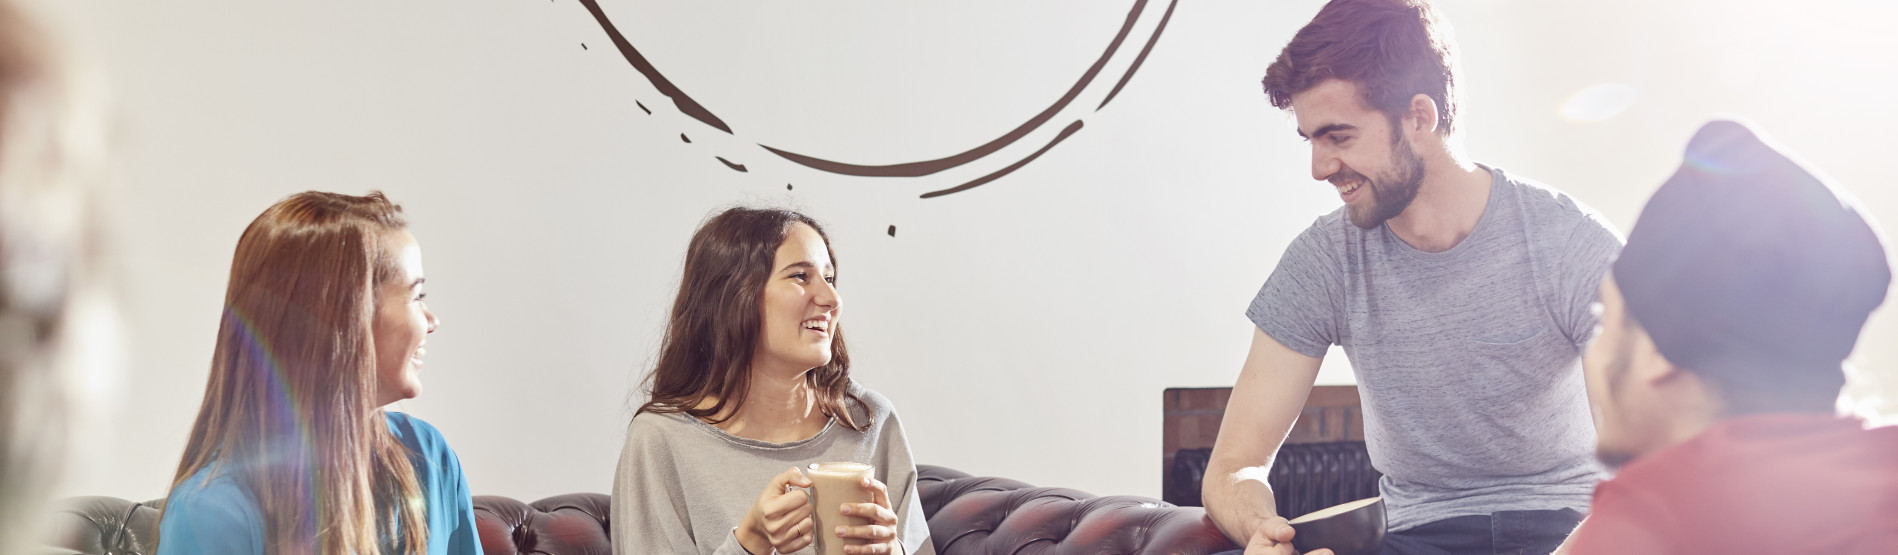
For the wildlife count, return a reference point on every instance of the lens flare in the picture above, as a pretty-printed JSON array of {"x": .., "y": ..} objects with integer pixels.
[{"x": 1598, "y": 102}]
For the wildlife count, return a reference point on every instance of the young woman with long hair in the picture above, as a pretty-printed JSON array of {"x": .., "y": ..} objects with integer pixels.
[
  {"x": 753, "y": 382},
  {"x": 292, "y": 452}
]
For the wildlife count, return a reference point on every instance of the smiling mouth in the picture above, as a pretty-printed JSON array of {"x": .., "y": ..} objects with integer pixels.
[
  {"x": 821, "y": 326},
  {"x": 1346, "y": 190}
]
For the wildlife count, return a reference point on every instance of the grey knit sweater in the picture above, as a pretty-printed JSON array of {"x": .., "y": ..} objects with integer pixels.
[{"x": 683, "y": 485}]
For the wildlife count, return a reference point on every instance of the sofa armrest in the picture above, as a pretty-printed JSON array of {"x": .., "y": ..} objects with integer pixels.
[{"x": 103, "y": 525}]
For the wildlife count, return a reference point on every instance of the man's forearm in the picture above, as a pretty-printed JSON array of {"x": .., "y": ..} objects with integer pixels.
[
  {"x": 1272, "y": 388},
  {"x": 1238, "y": 500}
]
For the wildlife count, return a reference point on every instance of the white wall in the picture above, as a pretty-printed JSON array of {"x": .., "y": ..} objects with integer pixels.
[{"x": 1025, "y": 328}]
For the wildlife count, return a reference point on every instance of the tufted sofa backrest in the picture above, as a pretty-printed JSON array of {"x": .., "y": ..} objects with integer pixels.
[
  {"x": 970, "y": 515},
  {"x": 967, "y": 515},
  {"x": 571, "y": 524}
]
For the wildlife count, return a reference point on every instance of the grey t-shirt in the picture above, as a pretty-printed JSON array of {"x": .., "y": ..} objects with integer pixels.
[
  {"x": 1469, "y": 360},
  {"x": 683, "y": 485}
]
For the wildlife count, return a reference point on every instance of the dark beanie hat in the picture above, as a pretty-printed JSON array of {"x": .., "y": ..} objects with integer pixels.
[{"x": 1747, "y": 268}]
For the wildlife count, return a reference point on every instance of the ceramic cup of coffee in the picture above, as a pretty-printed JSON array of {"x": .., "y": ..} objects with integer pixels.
[
  {"x": 832, "y": 485},
  {"x": 1355, "y": 528}
]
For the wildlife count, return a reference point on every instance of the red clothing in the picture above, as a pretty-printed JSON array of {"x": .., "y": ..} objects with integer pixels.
[{"x": 1772, "y": 483}]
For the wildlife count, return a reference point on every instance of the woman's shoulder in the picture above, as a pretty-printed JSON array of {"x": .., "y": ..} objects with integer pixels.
[
  {"x": 874, "y": 405},
  {"x": 648, "y": 427},
  {"x": 212, "y": 484},
  {"x": 211, "y": 500},
  {"x": 423, "y": 439},
  {"x": 416, "y": 433}
]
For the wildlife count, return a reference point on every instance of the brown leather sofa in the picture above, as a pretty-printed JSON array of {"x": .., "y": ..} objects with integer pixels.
[{"x": 967, "y": 515}]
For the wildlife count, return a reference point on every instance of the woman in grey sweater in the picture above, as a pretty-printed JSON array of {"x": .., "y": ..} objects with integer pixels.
[{"x": 753, "y": 383}]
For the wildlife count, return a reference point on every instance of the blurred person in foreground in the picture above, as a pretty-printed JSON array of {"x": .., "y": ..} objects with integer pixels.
[
  {"x": 50, "y": 297},
  {"x": 1725, "y": 326}
]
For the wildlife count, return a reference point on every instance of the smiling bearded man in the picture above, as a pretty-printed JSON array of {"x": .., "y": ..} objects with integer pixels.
[{"x": 1460, "y": 293}]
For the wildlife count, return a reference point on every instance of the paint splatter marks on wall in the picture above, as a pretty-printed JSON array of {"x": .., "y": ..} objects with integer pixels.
[
  {"x": 1142, "y": 58},
  {"x": 929, "y": 167},
  {"x": 892, "y": 231},
  {"x": 685, "y": 104},
  {"x": 735, "y": 167},
  {"x": 583, "y": 46},
  {"x": 682, "y": 137},
  {"x": 787, "y": 186},
  {"x": 1071, "y": 128},
  {"x": 642, "y": 106},
  {"x": 691, "y": 108}
]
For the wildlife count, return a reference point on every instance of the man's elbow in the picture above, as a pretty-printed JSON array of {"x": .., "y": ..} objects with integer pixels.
[
  {"x": 1211, "y": 488},
  {"x": 1223, "y": 477},
  {"x": 1217, "y": 479}
]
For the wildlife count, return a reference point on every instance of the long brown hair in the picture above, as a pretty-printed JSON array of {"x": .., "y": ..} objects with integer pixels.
[
  {"x": 715, "y": 321},
  {"x": 290, "y": 411}
]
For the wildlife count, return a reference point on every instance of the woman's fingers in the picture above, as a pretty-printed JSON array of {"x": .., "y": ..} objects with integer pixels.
[
  {"x": 783, "y": 512},
  {"x": 873, "y": 533},
  {"x": 795, "y": 544},
  {"x": 791, "y": 477},
  {"x": 879, "y": 493},
  {"x": 878, "y": 514},
  {"x": 782, "y": 497},
  {"x": 796, "y": 478},
  {"x": 782, "y": 485},
  {"x": 788, "y": 517},
  {"x": 785, "y": 504},
  {"x": 882, "y": 529},
  {"x": 872, "y": 549},
  {"x": 790, "y": 535}
]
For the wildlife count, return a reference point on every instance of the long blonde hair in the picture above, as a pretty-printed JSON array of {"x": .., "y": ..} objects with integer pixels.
[{"x": 290, "y": 412}]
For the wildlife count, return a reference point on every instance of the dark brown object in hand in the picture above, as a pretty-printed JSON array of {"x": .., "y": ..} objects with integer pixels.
[{"x": 1355, "y": 528}]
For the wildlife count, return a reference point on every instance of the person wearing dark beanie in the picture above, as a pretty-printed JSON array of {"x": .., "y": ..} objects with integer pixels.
[{"x": 1726, "y": 322}]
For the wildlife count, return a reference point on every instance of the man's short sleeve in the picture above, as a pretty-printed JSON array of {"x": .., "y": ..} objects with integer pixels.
[
  {"x": 1590, "y": 251},
  {"x": 1302, "y": 304}
]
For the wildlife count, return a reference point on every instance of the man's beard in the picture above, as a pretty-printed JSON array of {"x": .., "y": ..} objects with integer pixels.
[{"x": 1387, "y": 201}]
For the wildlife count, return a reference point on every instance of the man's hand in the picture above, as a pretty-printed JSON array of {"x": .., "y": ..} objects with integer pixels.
[{"x": 1273, "y": 536}]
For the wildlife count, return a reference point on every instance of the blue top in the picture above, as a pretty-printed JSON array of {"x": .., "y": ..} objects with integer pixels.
[{"x": 213, "y": 515}]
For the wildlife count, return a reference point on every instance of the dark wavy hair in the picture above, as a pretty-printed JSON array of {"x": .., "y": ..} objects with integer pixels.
[
  {"x": 715, "y": 322},
  {"x": 1392, "y": 49}
]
